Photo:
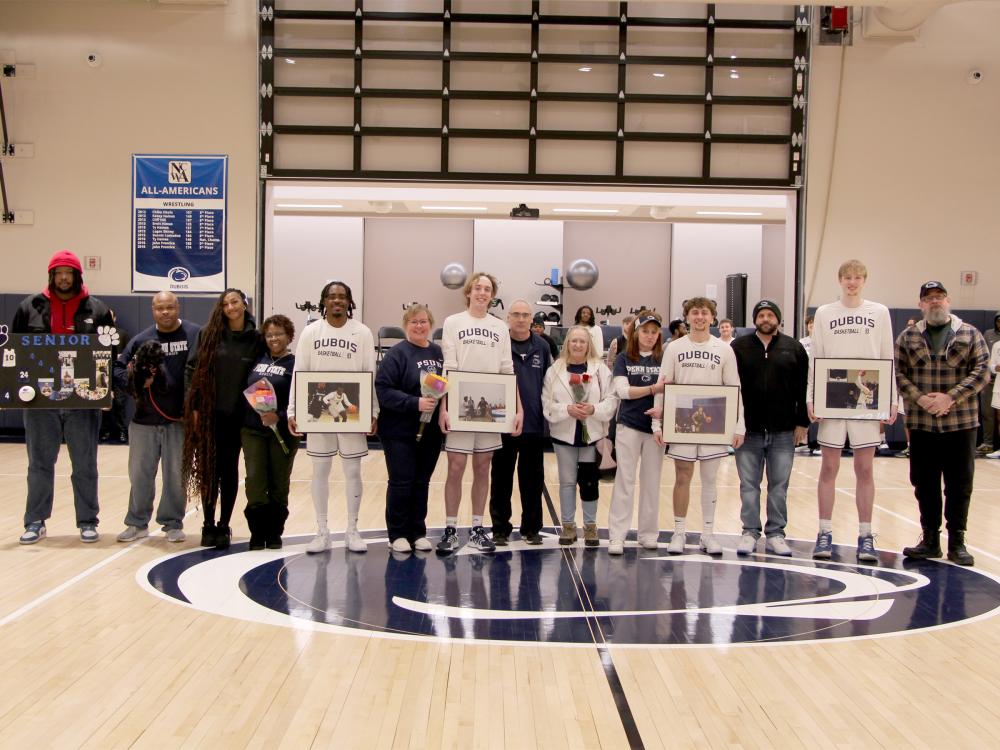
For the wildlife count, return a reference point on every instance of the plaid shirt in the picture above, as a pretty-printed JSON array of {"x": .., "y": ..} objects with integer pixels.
[{"x": 961, "y": 370}]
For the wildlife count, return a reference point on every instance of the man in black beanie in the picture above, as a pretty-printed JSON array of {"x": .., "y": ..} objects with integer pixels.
[{"x": 773, "y": 370}]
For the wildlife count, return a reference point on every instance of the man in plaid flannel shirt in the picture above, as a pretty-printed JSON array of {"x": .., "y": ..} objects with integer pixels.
[{"x": 941, "y": 365}]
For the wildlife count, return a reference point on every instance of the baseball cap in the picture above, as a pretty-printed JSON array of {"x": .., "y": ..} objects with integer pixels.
[
  {"x": 642, "y": 320},
  {"x": 932, "y": 286}
]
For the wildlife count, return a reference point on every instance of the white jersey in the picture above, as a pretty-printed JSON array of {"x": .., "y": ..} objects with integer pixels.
[
  {"x": 338, "y": 403},
  {"x": 350, "y": 348},
  {"x": 862, "y": 332},
  {"x": 475, "y": 344},
  {"x": 711, "y": 362}
]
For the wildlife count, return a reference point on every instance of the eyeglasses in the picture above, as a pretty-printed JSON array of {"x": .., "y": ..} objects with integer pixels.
[
  {"x": 519, "y": 315},
  {"x": 272, "y": 336}
]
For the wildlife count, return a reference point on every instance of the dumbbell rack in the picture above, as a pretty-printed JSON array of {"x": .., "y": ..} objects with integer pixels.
[{"x": 556, "y": 306}]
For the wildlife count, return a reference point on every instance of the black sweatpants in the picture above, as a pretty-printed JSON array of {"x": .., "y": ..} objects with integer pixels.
[
  {"x": 527, "y": 451},
  {"x": 942, "y": 455}
]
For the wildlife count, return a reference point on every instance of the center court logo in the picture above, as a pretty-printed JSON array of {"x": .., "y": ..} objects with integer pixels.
[{"x": 577, "y": 596}]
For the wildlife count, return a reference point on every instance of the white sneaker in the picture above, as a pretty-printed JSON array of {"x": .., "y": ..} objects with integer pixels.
[
  {"x": 709, "y": 546},
  {"x": 400, "y": 545},
  {"x": 320, "y": 543},
  {"x": 778, "y": 546},
  {"x": 676, "y": 546},
  {"x": 176, "y": 535},
  {"x": 132, "y": 533},
  {"x": 423, "y": 544},
  {"x": 747, "y": 545},
  {"x": 649, "y": 542},
  {"x": 994, "y": 454},
  {"x": 355, "y": 542},
  {"x": 616, "y": 547}
]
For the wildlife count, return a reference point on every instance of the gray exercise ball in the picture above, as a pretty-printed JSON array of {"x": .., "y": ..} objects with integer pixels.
[
  {"x": 582, "y": 274},
  {"x": 454, "y": 275}
]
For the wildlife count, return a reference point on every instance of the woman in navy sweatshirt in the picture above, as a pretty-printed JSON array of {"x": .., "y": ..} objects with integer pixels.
[{"x": 409, "y": 461}]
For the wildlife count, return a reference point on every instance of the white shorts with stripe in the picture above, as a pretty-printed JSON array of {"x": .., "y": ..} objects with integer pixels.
[
  {"x": 863, "y": 433},
  {"x": 329, "y": 444},
  {"x": 472, "y": 442},
  {"x": 686, "y": 452}
]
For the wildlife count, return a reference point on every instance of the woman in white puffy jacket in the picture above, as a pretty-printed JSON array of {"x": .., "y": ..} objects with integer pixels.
[{"x": 578, "y": 402}]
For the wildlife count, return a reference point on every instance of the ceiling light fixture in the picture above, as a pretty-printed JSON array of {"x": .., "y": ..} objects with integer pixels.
[
  {"x": 453, "y": 208},
  {"x": 314, "y": 206},
  {"x": 290, "y": 61},
  {"x": 585, "y": 69},
  {"x": 659, "y": 75},
  {"x": 729, "y": 213},
  {"x": 584, "y": 210}
]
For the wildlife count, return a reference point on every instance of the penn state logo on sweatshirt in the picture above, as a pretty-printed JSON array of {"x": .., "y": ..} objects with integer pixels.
[{"x": 640, "y": 374}]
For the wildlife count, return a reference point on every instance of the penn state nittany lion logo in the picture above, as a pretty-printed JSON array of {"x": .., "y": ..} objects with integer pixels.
[{"x": 577, "y": 595}]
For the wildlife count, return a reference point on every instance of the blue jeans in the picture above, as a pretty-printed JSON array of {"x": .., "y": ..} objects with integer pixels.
[
  {"x": 44, "y": 432},
  {"x": 774, "y": 450},
  {"x": 568, "y": 457},
  {"x": 148, "y": 446}
]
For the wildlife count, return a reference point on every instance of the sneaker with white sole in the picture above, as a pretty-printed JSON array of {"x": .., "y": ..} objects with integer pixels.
[
  {"x": 356, "y": 543},
  {"x": 88, "y": 534},
  {"x": 449, "y": 541},
  {"x": 777, "y": 545},
  {"x": 320, "y": 543},
  {"x": 176, "y": 536},
  {"x": 994, "y": 454},
  {"x": 616, "y": 547},
  {"x": 649, "y": 542},
  {"x": 824, "y": 546},
  {"x": 677, "y": 542},
  {"x": 708, "y": 545},
  {"x": 423, "y": 544},
  {"x": 478, "y": 539},
  {"x": 401, "y": 545},
  {"x": 866, "y": 548},
  {"x": 33, "y": 533},
  {"x": 132, "y": 533},
  {"x": 747, "y": 544}
]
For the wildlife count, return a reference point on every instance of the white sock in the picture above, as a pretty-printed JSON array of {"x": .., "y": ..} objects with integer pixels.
[
  {"x": 352, "y": 490},
  {"x": 708, "y": 471},
  {"x": 451, "y": 521},
  {"x": 321, "y": 490},
  {"x": 679, "y": 524},
  {"x": 826, "y": 525},
  {"x": 477, "y": 521},
  {"x": 864, "y": 529}
]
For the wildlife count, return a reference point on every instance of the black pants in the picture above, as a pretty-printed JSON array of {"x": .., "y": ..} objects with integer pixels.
[
  {"x": 226, "y": 481},
  {"x": 527, "y": 451},
  {"x": 410, "y": 463},
  {"x": 947, "y": 455}
]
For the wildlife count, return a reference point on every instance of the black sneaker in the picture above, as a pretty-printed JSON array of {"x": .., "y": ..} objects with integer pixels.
[
  {"x": 256, "y": 543},
  {"x": 449, "y": 541},
  {"x": 274, "y": 543},
  {"x": 479, "y": 540},
  {"x": 535, "y": 538},
  {"x": 500, "y": 540},
  {"x": 208, "y": 532}
]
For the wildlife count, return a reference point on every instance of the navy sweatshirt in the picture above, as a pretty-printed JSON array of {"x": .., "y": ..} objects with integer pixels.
[
  {"x": 279, "y": 373},
  {"x": 169, "y": 396},
  {"x": 397, "y": 385},
  {"x": 641, "y": 373},
  {"x": 532, "y": 358}
]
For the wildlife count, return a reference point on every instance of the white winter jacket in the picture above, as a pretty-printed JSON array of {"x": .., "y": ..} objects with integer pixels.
[{"x": 557, "y": 395}]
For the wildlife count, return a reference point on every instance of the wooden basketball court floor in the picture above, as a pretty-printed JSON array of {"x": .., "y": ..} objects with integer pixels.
[{"x": 93, "y": 659}]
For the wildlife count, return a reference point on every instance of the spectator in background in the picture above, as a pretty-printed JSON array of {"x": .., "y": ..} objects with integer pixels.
[
  {"x": 987, "y": 415},
  {"x": 678, "y": 329},
  {"x": 806, "y": 340},
  {"x": 621, "y": 343},
  {"x": 538, "y": 328},
  {"x": 113, "y": 421},
  {"x": 585, "y": 317},
  {"x": 726, "y": 331}
]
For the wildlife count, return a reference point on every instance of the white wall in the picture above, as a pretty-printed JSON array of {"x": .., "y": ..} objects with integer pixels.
[
  {"x": 172, "y": 80},
  {"x": 704, "y": 254},
  {"x": 913, "y": 190}
]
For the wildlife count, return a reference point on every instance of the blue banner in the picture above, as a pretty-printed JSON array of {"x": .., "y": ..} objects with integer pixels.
[{"x": 179, "y": 223}]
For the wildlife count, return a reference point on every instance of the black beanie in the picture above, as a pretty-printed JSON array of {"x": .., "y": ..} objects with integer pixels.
[{"x": 766, "y": 304}]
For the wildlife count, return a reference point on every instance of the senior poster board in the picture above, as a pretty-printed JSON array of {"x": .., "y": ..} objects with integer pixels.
[
  {"x": 179, "y": 223},
  {"x": 56, "y": 371}
]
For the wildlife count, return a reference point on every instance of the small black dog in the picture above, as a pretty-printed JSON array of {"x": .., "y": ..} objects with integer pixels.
[{"x": 147, "y": 363}]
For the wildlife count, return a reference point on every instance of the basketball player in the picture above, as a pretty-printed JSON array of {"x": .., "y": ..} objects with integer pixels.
[
  {"x": 473, "y": 341},
  {"x": 338, "y": 403},
  {"x": 336, "y": 343},
  {"x": 699, "y": 359},
  {"x": 852, "y": 327}
]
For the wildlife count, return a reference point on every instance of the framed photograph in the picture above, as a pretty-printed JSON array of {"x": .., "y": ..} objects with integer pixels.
[
  {"x": 481, "y": 402},
  {"x": 333, "y": 401},
  {"x": 853, "y": 388},
  {"x": 700, "y": 414}
]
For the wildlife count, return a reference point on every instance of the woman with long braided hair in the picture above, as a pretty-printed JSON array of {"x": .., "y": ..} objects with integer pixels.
[{"x": 227, "y": 348}]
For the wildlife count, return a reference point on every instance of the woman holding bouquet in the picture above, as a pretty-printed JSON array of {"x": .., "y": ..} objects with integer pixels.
[
  {"x": 408, "y": 428},
  {"x": 578, "y": 402},
  {"x": 268, "y": 447}
]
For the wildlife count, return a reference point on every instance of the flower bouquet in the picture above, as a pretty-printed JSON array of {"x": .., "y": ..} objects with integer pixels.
[
  {"x": 264, "y": 400},
  {"x": 431, "y": 386},
  {"x": 579, "y": 383}
]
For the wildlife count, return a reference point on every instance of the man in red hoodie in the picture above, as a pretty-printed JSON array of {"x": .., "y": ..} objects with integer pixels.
[{"x": 65, "y": 306}]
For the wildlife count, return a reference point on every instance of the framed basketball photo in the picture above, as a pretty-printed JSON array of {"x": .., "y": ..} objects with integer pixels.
[
  {"x": 863, "y": 389},
  {"x": 333, "y": 401},
  {"x": 700, "y": 414},
  {"x": 481, "y": 402}
]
